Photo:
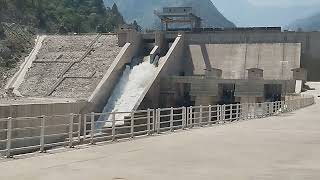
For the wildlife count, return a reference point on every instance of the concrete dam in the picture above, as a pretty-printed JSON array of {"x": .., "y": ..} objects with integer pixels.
[
  {"x": 132, "y": 72},
  {"x": 92, "y": 105},
  {"x": 83, "y": 71}
]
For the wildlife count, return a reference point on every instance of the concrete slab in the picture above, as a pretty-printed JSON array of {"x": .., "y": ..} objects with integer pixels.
[{"x": 281, "y": 147}]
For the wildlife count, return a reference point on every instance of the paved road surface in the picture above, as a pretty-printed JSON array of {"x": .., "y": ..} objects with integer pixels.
[{"x": 283, "y": 147}]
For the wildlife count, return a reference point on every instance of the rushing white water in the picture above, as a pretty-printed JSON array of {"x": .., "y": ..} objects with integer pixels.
[{"x": 127, "y": 92}]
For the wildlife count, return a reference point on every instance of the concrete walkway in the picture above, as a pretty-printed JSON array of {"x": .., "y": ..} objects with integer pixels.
[{"x": 283, "y": 147}]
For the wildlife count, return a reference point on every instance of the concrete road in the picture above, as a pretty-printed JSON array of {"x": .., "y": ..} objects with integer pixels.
[{"x": 282, "y": 148}]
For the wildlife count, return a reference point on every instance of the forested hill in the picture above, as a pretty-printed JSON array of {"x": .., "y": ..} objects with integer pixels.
[{"x": 80, "y": 16}]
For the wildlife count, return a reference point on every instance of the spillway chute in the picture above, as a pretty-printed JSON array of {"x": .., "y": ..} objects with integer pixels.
[{"x": 128, "y": 91}]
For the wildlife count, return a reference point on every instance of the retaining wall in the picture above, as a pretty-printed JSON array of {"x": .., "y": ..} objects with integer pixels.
[
  {"x": 104, "y": 89},
  {"x": 275, "y": 59},
  {"x": 28, "y": 114},
  {"x": 310, "y": 43},
  {"x": 170, "y": 64}
]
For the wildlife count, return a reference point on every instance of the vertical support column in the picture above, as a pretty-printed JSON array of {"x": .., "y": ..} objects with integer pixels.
[
  {"x": 9, "y": 137},
  {"x": 237, "y": 112},
  {"x": 231, "y": 112},
  {"x": 42, "y": 134},
  {"x": 149, "y": 121},
  {"x": 113, "y": 126},
  {"x": 191, "y": 118},
  {"x": 158, "y": 120},
  {"x": 92, "y": 128},
  {"x": 71, "y": 130},
  {"x": 154, "y": 120},
  {"x": 79, "y": 128},
  {"x": 200, "y": 116},
  {"x": 218, "y": 114},
  {"x": 210, "y": 115},
  {"x": 184, "y": 117},
  {"x": 171, "y": 119},
  {"x": 223, "y": 115},
  {"x": 84, "y": 127},
  {"x": 188, "y": 117},
  {"x": 132, "y": 124}
]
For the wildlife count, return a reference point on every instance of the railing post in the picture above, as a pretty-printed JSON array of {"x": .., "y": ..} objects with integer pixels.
[
  {"x": 113, "y": 126},
  {"x": 132, "y": 124},
  {"x": 200, "y": 116},
  {"x": 223, "y": 111},
  {"x": 171, "y": 119},
  {"x": 93, "y": 131},
  {"x": 42, "y": 134},
  {"x": 154, "y": 120},
  {"x": 71, "y": 130},
  {"x": 210, "y": 115},
  {"x": 191, "y": 117},
  {"x": 158, "y": 120},
  {"x": 9, "y": 137},
  {"x": 184, "y": 117},
  {"x": 231, "y": 113},
  {"x": 237, "y": 112},
  {"x": 149, "y": 121},
  {"x": 218, "y": 114},
  {"x": 84, "y": 127},
  {"x": 79, "y": 128},
  {"x": 188, "y": 117}
]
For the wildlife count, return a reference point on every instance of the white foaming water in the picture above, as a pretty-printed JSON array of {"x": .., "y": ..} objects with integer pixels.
[{"x": 127, "y": 92}]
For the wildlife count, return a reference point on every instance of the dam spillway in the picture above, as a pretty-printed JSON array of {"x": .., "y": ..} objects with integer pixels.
[{"x": 128, "y": 91}]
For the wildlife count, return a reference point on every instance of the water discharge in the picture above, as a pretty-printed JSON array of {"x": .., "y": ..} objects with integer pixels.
[{"x": 127, "y": 92}]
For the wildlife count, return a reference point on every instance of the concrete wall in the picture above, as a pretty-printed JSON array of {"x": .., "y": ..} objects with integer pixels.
[
  {"x": 276, "y": 59},
  {"x": 310, "y": 43},
  {"x": 39, "y": 109},
  {"x": 170, "y": 64},
  {"x": 103, "y": 91},
  {"x": 27, "y": 115}
]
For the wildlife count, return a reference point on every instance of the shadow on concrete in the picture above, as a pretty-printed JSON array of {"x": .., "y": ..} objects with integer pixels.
[{"x": 205, "y": 56}]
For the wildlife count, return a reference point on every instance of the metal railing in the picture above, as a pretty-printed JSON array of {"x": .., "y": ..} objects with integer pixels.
[{"x": 30, "y": 134}]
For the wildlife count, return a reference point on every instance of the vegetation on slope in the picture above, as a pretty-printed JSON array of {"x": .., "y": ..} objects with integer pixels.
[
  {"x": 15, "y": 43},
  {"x": 79, "y": 16}
]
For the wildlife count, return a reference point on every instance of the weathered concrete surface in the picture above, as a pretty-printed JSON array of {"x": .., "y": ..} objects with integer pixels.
[
  {"x": 282, "y": 147},
  {"x": 276, "y": 59}
]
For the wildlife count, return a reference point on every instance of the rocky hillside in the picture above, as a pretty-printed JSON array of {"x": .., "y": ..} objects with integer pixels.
[
  {"x": 311, "y": 23},
  {"x": 143, "y": 11}
]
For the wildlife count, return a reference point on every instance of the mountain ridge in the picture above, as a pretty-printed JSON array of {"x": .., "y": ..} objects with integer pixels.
[
  {"x": 311, "y": 23},
  {"x": 245, "y": 13},
  {"x": 143, "y": 11}
]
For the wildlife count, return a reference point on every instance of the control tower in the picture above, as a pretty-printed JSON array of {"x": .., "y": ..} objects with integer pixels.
[{"x": 178, "y": 15}]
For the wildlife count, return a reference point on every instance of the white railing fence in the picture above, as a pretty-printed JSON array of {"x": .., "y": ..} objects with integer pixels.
[{"x": 30, "y": 134}]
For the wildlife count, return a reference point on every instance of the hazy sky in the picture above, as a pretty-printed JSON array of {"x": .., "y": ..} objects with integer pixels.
[
  {"x": 266, "y": 12},
  {"x": 285, "y": 3}
]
